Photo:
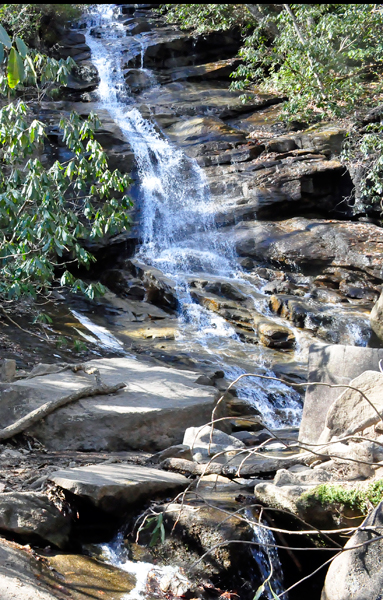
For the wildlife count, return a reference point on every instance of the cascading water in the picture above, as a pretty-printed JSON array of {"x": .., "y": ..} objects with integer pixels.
[
  {"x": 178, "y": 230},
  {"x": 268, "y": 561}
]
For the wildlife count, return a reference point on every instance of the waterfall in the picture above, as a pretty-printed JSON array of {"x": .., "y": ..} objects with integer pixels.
[
  {"x": 267, "y": 559},
  {"x": 178, "y": 230}
]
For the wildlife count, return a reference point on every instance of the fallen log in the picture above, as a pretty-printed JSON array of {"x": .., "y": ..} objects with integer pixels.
[{"x": 39, "y": 413}]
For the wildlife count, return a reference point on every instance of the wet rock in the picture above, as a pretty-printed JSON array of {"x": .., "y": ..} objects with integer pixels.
[
  {"x": 122, "y": 282},
  {"x": 128, "y": 419},
  {"x": 83, "y": 573},
  {"x": 160, "y": 290},
  {"x": 331, "y": 364},
  {"x": 204, "y": 380},
  {"x": 204, "y": 528},
  {"x": 273, "y": 335},
  {"x": 137, "y": 80},
  {"x": 262, "y": 124},
  {"x": 358, "y": 573},
  {"x": 239, "y": 407},
  {"x": 31, "y": 514},
  {"x": 77, "y": 51},
  {"x": 114, "y": 487}
]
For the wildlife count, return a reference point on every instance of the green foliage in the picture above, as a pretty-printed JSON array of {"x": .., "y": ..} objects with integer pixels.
[
  {"x": 356, "y": 499},
  {"x": 206, "y": 17},
  {"x": 366, "y": 149},
  {"x": 327, "y": 73},
  {"x": 25, "y": 68},
  {"x": 158, "y": 532},
  {"x": 324, "y": 57},
  {"x": 47, "y": 209},
  {"x": 79, "y": 346},
  {"x": 24, "y": 20}
]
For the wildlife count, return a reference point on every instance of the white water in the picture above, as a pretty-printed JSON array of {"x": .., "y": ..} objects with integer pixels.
[
  {"x": 115, "y": 555},
  {"x": 103, "y": 337},
  {"x": 178, "y": 230},
  {"x": 267, "y": 559}
]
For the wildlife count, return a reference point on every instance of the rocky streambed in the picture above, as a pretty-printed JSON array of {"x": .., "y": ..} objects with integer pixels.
[{"x": 245, "y": 254}]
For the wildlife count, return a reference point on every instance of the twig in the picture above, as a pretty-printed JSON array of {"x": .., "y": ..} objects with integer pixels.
[
  {"x": 47, "y": 408},
  {"x": 19, "y": 327}
]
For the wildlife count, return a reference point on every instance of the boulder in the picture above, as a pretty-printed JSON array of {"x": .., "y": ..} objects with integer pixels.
[
  {"x": 197, "y": 529},
  {"x": 299, "y": 498},
  {"x": 326, "y": 139},
  {"x": 114, "y": 487},
  {"x": 274, "y": 335},
  {"x": 31, "y": 514},
  {"x": 171, "y": 48},
  {"x": 8, "y": 370},
  {"x": 160, "y": 289},
  {"x": 358, "y": 573},
  {"x": 151, "y": 412},
  {"x": 351, "y": 412},
  {"x": 331, "y": 364},
  {"x": 198, "y": 440},
  {"x": 19, "y": 575},
  {"x": 293, "y": 182},
  {"x": 313, "y": 245},
  {"x": 179, "y": 451},
  {"x": 376, "y": 317}
]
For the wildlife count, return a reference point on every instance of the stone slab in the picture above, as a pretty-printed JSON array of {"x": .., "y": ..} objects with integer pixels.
[
  {"x": 17, "y": 575},
  {"x": 331, "y": 364},
  {"x": 113, "y": 487},
  {"x": 151, "y": 413}
]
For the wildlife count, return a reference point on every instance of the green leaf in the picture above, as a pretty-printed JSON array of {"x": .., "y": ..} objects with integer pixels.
[
  {"x": 21, "y": 46},
  {"x": 1, "y": 53},
  {"x": 274, "y": 595},
  {"x": 16, "y": 71},
  {"x": 32, "y": 68},
  {"x": 4, "y": 38},
  {"x": 259, "y": 592}
]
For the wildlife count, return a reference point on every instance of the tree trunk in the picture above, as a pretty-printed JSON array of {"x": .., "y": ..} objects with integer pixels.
[{"x": 304, "y": 44}]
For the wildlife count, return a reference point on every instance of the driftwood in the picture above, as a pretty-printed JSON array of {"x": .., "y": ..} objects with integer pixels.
[{"x": 47, "y": 408}]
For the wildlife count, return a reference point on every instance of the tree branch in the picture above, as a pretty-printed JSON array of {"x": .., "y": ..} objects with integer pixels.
[{"x": 47, "y": 408}]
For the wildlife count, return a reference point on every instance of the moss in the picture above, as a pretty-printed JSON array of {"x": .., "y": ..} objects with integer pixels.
[{"x": 355, "y": 499}]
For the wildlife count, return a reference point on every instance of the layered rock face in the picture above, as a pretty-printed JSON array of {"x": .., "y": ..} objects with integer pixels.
[{"x": 281, "y": 194}]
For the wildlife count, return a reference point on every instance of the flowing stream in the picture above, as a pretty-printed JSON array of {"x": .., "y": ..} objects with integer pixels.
[
  {"x": 178, "y": 230},
  {"x": 180, "y": 238}
]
